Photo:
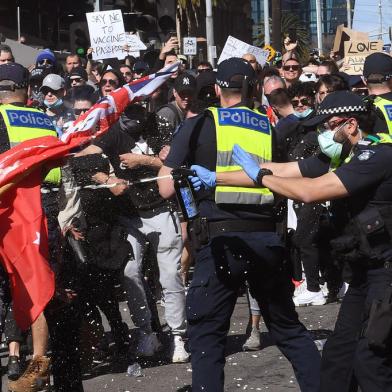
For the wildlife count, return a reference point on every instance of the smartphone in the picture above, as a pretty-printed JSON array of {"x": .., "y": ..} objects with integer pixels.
[{"x": 293, "y": 34}]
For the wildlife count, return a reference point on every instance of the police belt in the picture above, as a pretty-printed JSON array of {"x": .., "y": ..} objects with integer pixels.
[{"x": 245, "y": 226}]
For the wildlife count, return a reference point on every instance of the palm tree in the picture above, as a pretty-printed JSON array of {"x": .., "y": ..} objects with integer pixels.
[{"x": 289, "y": 21}]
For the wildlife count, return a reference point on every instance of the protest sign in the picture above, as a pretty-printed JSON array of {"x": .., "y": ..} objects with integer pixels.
[
  {"x": 25, "y": 55},
  {"x": 344, "y": 34},
  {"x": 356, "y": 53},
  {"x": 107, "y": 35},
  {"x": 134, "y": 43},
  {"x": 237, "y": 48}
]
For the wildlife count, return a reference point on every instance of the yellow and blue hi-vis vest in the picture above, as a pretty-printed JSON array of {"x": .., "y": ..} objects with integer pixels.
[{"x": 251, "y": 130}]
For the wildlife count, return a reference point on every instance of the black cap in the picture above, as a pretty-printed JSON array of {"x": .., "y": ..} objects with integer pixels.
[
  {"x": 16, "y": 73},
  {"x": 232, "y": 67},
  {"x": 335, "y": 104},
  {"x": 37, "y": 75},
  {"x": 378, "y": 64},
  {"x": 140, "y": 67},
  {"x": 185, "y": 82},
  {"x": 78, "y": 72}
]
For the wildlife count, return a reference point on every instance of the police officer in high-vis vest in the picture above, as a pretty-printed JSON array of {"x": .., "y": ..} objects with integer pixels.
[
  {"x": 377, "y": 72},
  {"x": 236, "y": 236},
  {"x": 354, "y": 166},
  {"x": 18, "y": 123}
]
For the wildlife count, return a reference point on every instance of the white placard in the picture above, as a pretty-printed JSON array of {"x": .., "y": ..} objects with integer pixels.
[
  {"x": 237, "y": 48},
  {"x": 134, "y": 43},
  {"x": 190, "y": 46},
  {"x": 107, "y": 35}
]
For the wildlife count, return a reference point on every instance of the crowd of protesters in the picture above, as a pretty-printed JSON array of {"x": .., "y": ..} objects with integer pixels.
[{"x": 119, "y": 242}]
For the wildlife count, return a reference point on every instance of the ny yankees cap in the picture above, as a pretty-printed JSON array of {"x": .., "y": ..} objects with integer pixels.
[{"x": 185, "y": 82}]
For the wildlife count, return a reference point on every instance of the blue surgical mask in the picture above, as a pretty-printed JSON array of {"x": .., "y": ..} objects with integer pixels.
[
  {"x": 53, "y": 105},
  {"x": 328, "y": 145},
  {"x": 303, "y": 114}
]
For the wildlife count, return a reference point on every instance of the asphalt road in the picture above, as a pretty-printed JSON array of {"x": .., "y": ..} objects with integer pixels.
[{"x": 264, "y": 370}]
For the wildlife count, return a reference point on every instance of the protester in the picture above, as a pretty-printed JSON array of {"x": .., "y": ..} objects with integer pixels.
[
  {"x": 53, "y": 90},
  {"x": 109, "y": 81},
  {"x": 6, "y": 55},
  {"x": 203, "y": 66},
  {"x": 291, "y": 70},
  {"x": 126, "y": 71},
  {"x": 328, "y": 84},
  {"x": 72, "y": 61}
]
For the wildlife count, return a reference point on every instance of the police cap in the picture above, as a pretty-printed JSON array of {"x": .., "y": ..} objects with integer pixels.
[
  {"x": 335, "y": 104},
  {"x": 230, "y": 71},
  {"x": 378, "y": 64},
  {"x": 16, "y": 73}
]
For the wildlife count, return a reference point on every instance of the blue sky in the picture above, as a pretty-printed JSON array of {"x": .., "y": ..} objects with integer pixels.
[{"x": 367, "y": 17}]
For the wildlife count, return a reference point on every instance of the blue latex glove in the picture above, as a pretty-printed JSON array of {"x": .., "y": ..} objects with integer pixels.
[
  {"x": 246, "y": 161},
  {"x": 204, "y": 177}
]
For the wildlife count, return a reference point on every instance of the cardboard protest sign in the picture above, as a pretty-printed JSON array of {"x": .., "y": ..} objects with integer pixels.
[
  {"x": 344, "y": 34},
  {"x": 107, "y": 35},
  {"x": 134, "y": 43},
  {"x": 237, "y": 48},
  {"x": 23, "y": 54},
  {"x": 356, "y": 53}
]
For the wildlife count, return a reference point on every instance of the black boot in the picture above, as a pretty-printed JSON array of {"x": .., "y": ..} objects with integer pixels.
[{"x": 14, "y": 370}]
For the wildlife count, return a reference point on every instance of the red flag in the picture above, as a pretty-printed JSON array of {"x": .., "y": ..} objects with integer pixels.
[{"x": 24, "y": 249}]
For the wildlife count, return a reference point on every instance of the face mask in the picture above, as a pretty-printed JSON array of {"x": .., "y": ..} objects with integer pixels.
[
  {"x": 53, "y": 105},
  {"x": 37, "y": 96},
  {"x": 303, "y": 114},
  {"x": 328, "y": 146}
]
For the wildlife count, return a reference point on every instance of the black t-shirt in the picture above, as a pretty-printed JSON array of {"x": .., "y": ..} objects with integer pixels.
[
  {"x": 367, "y": 176},
  {"x": 195, "y": 143},
  {"x": 143, "y": 196}
]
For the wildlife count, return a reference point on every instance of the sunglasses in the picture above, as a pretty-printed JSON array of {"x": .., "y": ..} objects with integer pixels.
[
  {"x": 46, "y": 91},
  {"x": 45, "y": 61},
  {"x": 80, "y": 111},
  {"x": 127, "y": 73},
  {"x": 112, "y": 82},
  {"x": 204, "y": 70},
  {"x": 303, "y": 102},
  {"x": 77, "y": 80},
  {"x": 291, "y": 67}
]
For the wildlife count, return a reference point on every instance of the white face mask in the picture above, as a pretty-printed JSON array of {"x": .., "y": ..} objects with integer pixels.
[{"x": 303, "y": 114}]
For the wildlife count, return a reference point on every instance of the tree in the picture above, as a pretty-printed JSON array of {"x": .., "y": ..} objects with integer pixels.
[{"x": 289, "y": 21}]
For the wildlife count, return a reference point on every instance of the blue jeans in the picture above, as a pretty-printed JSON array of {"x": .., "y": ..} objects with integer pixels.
[{"x": 221, "y": 267}]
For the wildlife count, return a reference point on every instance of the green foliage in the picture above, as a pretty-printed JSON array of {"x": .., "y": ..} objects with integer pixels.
[{"x": 288, "y": 21}]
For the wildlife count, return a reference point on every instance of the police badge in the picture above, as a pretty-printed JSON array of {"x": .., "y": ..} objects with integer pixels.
[{"x": 365, "y": 155}]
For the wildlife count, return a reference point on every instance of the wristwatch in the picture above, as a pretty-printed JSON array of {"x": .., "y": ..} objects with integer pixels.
[{"x": 261, "y": 174}]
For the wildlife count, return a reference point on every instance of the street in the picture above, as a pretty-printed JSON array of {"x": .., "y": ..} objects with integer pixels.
[{"x": 266, "y": 369}]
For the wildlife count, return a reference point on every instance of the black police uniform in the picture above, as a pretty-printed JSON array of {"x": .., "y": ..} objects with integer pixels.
[
  {"x": 347, "y": 359},
  {"x": 222, "y": 266}
]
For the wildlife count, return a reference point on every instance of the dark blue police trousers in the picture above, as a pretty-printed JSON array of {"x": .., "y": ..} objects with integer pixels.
[
  {"x": 347, "y": 359},
  {"x": 221, "y": 268}
]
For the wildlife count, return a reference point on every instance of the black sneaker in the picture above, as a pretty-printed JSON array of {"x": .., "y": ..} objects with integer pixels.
[{"x": 13, "y": 369}]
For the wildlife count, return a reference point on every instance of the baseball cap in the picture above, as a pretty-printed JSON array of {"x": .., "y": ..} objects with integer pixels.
[
  {"x": 185, "y": 82},
  {"x": 140, "y": 67},
  {"x": 232, "y": 67},
  {"x": 78, "y": 72},
  {"x": 53, "y": 82},
  {"x": 379, "y": 64},
  {"x": 37, "y": 75},
  {"x": 15, "y": 72},
  {"x": 336, "y": 103}
]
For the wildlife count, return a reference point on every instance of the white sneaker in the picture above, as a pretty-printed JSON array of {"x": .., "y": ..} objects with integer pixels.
[
  {"x": 300, "y": 288},
  {"x": 324, "y": 289},
  {"x": 307, "y": 298},
  {"x": 178, "y": 352},
  {"x": 148, "y": 345}
]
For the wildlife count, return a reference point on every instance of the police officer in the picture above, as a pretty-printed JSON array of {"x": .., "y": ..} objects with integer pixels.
[
  {"x": 237, "y": 237},
  {"x": 18, "y": 123},
  {"x": 359, "y": 350},
  {"x": 377, "y": 71}
]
